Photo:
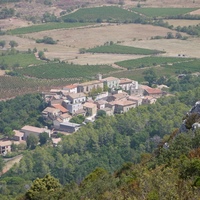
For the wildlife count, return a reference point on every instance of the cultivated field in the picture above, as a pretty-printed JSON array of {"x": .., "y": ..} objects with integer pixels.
[
  {"x": 110, "y": 13},
  {"x": 150, "y": 61},
  {"x": 46, "y": 27},
  {"x": 13, "y": 86},
  {"x": 120, "y": 49},
  {"x": 20, "y": 59},
  {"x": 62, "y": 70},
  {"x": 163, "y": 12}
]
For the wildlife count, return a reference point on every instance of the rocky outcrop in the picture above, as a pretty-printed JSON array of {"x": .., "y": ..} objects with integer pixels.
[{"x": 192, "y": 119}]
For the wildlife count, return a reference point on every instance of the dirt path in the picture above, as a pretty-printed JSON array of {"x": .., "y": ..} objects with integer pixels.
[
  {"x": 118, "y": 67},
  {"x": 10, "y": 163}
]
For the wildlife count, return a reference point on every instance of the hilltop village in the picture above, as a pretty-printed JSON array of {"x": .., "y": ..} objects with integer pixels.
[{"x": 85, "y": 102}]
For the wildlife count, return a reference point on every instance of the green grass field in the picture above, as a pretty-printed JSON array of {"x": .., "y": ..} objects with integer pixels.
[
  {"x": 110, "y": 13},
  {"x": 20, "y": 59},
  {"x": 150, "y": 61},
  {"x": 163, "y": 12},
  {"x": 120, "y": 49},
  {"x": 46, "y": 27},
  {"x": 62, "y": 70}
]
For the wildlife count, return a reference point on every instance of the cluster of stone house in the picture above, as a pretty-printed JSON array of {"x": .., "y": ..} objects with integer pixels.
[
  {"x": 72, "y": 100},
  {"x": 20, "y": 137}
]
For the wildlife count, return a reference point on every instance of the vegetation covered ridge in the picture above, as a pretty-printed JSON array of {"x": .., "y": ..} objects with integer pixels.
[{"x": 175, "y": 162}]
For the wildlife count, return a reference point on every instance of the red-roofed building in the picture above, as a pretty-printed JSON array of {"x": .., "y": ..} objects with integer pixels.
[
  {"x": 91, "y": 108},
  {"x": 60, "y": 107},
  {"x": 123, "y": 106},
  {"x": 154, "y": 92},
  {"x": 149, "y": 100},
  {"x": 70, "y": 88}
]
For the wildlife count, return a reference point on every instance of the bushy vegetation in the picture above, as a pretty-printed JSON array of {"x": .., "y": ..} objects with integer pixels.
[
  {"x": 21, "y": 111},
  {"x": 163, "y": 12},
  {"x": 46, "y": 40},
  {"x": 64, "y": 70},
  {"x": 6, "y": 13},
  {"x": 46, "y": 27},
  {"x": 120, "y": 49},
  {"x": 99, "y": 14}
]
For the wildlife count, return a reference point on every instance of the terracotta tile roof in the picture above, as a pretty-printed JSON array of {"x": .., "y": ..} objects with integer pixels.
[
  {"x": 120, "y": 95},
  {"x": 110, "y": 79},
  {"x": 134, "y": 98},
  {"x": 89, "y": 83},
  {"x": 89, "y": 105},
  {"x": 65, "y": 115},
  {"x": 125, "y": 81},
  {"x": 76, "y": 95},
  {"x": 101, "y": 102},
  {"x": 60, "y": 107},
  {"x": 151, "y": 90},
  {"x": 50, "y": 110},
  {"x": 56, "y": 140},
  {"x": 148, "y": 98},
  {"x": 124, "y": 103},
  {"x": 5, "y": 143},
  {"x": 71, "y": 86},
  {"x": 33, "y": 129},
  {"x": 79, "y": 112},
  {"x": 18, "y": 133}
]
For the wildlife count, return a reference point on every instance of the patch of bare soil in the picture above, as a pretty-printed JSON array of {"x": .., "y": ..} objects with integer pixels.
[
  {"x": 89, "y": 37},
  {"x": 10, "y": 163},
  {"x": 196, "y": 12},
  {"x": 2, "y": 72},
  {"x": 13, "y": 23},
  {"x": 173, "y": 47},
  {"x": 177, "y": 22},
  {"x": 101, "y": 59}
]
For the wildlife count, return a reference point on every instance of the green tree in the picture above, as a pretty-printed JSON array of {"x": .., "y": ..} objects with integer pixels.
[
  {"x": 41, "y": 55},
  {"x": 78, "y": 119},
  {"x": 43, "y": 188},
  {"x": 150, "y": 76},
  {"x": 32, "y": 141},
  {"x": 43, "y": 138},
  {"x": 13, "y": 44},
  {"x": 1, "y": 164},
  {"x": 101, "y": 113},
  {"x": 2, "y": 43},
  {"x": 9, "y": 132}
]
